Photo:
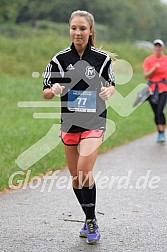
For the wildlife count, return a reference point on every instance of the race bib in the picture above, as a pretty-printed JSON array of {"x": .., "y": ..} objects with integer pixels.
[{"x": 82, "y": 101}]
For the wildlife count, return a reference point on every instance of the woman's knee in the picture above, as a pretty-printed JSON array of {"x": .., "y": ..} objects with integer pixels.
[
  {"x": 75, "y": 181},
  {"x": 85, "y": 178},
  {"x": 160, "y": 118}
]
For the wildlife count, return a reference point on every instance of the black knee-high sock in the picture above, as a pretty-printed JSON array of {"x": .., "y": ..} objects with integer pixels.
[
  {"x": 89, "y": 199},
  {"x": 79, "y": 197}
]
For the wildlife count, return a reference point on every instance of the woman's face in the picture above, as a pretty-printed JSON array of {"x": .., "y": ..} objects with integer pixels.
[
  {"x": 80, "y": 31},
  {"x": 158, "y": 49}
]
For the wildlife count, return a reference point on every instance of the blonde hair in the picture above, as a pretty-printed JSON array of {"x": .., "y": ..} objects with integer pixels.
[
  {"x": 113, "y": 56},
  {"x": 89, "y": 17}
]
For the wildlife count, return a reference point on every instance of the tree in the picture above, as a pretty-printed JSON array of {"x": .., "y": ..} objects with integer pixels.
[{"x": 123, "y": 20}]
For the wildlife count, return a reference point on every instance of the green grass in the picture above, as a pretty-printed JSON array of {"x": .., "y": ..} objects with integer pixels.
[
  {"x": 19, "y": 130},
  {"x": 20, "y": 56}
]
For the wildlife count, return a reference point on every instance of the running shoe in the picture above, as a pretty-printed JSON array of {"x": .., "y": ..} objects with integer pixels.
[
  {"x": 93, "y": 235},
  {"x": 161, "y": 137},
  {"x": 83, "y": 232}
]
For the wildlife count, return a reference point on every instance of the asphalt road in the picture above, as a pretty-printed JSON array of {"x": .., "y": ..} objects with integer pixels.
[{"x": 131, "y": 206}]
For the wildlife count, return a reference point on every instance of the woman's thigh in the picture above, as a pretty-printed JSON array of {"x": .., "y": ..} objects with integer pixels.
[
  {"x": 162, "y": 102},
  {"x": 81, "y": 159},
  {"x": 83, "y": 155},
  {"x": 72, "y": 156},
  {"x": 88, "y": 151}
]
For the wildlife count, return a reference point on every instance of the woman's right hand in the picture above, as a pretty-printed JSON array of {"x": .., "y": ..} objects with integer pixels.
[
  {"x": 157, "y": 65},
  {"x": 148, "y": 73},
  {"x": 57, "y": 89}
]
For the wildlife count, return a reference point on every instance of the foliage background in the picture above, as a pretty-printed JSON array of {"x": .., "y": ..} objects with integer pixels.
[{"x": 124, "y": 20}]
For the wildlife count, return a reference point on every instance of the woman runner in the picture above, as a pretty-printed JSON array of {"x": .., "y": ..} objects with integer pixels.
[
  {"x": 155, "y": 70},
  {"x": 83, "y": 111}
]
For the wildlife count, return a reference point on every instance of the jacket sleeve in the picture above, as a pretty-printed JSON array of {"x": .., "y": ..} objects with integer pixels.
[
  {"x": 108, "y": 74},
  {"x": 51, "y": 73}
]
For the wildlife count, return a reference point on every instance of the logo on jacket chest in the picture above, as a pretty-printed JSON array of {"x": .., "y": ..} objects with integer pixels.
[
  {"x": 70, "y": 67},
  {"x": 90, "y": 72}
]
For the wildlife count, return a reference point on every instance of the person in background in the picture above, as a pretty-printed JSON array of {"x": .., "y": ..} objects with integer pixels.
[
  {"x": 155, "y": 70},
  {"x": 83, "y": 110}
]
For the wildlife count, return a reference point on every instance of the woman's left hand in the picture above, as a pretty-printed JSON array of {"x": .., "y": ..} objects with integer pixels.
[{"x": 106, "y": 92}]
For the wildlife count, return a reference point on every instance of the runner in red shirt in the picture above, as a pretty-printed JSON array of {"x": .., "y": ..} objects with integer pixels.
[{"x": 155, "y": 70}]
